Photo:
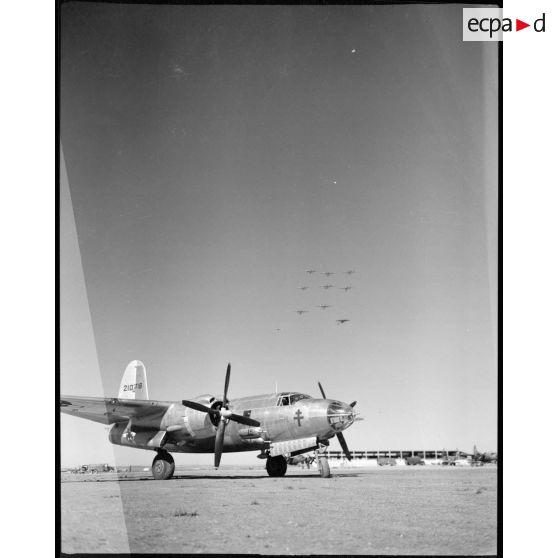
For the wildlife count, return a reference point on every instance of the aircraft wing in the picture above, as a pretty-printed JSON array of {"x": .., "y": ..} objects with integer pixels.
[{"x": 111, "y": 410}]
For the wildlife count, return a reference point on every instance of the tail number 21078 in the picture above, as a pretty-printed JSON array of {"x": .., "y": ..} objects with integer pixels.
[{"x": 132, "y": 387}]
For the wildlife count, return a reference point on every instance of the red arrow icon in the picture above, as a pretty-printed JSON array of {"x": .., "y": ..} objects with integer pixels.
[{"x": 519, "y": 25}]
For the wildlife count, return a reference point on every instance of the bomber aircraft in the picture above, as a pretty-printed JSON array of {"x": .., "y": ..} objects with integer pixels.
[{"x": 278, "y": 425}]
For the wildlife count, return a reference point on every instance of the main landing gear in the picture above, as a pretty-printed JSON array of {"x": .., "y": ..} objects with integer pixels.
[
  {"x": 276, "y": 466},
  {"x": 163, "y": 465}
]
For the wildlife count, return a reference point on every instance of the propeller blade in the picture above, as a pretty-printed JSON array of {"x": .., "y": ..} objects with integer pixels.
[
  {"x": 344, "y": 445},
  {"x": 199, "y": 407},
  {"x": 322, "y": 390},
  {"x": 227, "y": 378},
  {"x": 244, "y": 420},
  {"x": 219, "y": 438},
  {"x": 352, "y": 404}
]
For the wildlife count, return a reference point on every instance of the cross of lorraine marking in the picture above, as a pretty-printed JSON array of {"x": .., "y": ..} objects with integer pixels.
[{"x": 298, "y": 416}]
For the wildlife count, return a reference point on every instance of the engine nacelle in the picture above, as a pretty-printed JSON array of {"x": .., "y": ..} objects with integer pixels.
[
  {"x": 254, "y": 441},
  {"x": 205, "y": 399},
  {"x": 250, "y": 432},
  {"x": 126, "y": 434}
]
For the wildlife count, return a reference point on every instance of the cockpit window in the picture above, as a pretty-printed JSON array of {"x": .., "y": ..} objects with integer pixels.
[
  {"x": 297, "y": 397},
  {"x": 290, "y": 398}
]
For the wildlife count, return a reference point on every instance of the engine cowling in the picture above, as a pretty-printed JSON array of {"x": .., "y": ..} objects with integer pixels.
[
  {"x": 200, "y": 423},
  {"x": 250, "y": 432}
]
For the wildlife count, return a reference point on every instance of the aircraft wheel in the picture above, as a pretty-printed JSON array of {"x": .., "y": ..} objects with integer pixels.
[
  {"x": 323, "y": 466},
  {"x": 276, "y": 466},
  {"x": 163, "y": 466}
]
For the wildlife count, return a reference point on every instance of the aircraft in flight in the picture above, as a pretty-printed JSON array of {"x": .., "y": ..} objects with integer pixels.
[
  {"x": 326, "y": 287},
  {"x": 300, "y": 312},
  {"x": 350, "y": 271},
  {"x": 278, "y": 425},
  {"x": 328, "y": 273},
  {"x": 304, "y": 287},
  {"x": 347, "y": 288},
  {"x": 324, "y": 306},
  {"x": 342, "y": 321},
  {"x": 310, "y": 271}
]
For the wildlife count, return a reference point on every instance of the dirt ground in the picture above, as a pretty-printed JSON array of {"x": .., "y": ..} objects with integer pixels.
[{"x": 380, "y": 510}]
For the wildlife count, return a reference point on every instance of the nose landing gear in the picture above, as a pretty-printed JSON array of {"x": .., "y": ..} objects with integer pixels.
[{"x": 323, "y": 464}]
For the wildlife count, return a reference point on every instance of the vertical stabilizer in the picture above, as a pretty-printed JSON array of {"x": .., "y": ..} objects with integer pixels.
[{"x": 134, "y": 382}]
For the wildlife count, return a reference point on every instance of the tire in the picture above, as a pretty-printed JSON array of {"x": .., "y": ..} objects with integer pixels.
[
  {"x": 276, "y": 466},
  {"x": 323, "y": 465},
  {"x": 163, "y": 466}
]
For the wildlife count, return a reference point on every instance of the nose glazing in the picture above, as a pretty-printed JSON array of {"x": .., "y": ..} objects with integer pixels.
[{"x": 340, "y": 415}]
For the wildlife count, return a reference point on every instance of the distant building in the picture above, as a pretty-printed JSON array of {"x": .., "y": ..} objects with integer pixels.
[{"x": 401, "y": 457}]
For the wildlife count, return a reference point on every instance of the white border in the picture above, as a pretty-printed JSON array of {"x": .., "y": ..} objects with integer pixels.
[
  {"x": 28, "y": 277},
  {"x": 530, "y": 280}
]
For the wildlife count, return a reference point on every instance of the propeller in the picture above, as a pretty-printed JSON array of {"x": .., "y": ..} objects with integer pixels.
[
  {"x": 224, "y": 416},
  {"x": 340, "y": 437},
  {"x": 220, "y": 412}
]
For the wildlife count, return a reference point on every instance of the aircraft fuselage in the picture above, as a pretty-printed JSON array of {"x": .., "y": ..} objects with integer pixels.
[{"x": 186, "y": 430}]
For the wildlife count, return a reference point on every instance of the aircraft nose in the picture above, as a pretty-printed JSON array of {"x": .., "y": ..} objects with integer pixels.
[{"x": 340, "y": 415}]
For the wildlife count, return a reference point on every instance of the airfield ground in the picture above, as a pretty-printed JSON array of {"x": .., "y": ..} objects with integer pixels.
[{"x": 380, "y": 510}]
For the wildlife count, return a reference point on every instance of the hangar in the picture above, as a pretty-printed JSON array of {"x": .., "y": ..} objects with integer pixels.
[{"x": 400, "y": 457}]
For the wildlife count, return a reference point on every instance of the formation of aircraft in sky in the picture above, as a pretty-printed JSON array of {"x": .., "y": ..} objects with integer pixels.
[
  {"x": 326, "y": 287},
  {"x": 328, "y": 273},
  {"x": 279, "y": 425}
]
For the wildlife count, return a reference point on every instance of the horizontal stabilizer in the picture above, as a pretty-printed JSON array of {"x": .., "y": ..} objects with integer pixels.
[{"x": 110, "y": 410}]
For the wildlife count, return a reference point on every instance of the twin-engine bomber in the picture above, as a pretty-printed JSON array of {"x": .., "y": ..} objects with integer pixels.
[{"x": 279, "y": 425}]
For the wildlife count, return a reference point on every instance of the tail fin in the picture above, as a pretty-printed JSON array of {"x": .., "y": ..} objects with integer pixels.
[{"x": 134, "y": 382}]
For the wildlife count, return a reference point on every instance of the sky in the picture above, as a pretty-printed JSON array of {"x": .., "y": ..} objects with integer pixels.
[{"x": 212, "y": 154}]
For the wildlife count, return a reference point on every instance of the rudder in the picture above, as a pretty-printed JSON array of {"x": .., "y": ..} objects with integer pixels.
[{"x": 134, "y": 382}]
